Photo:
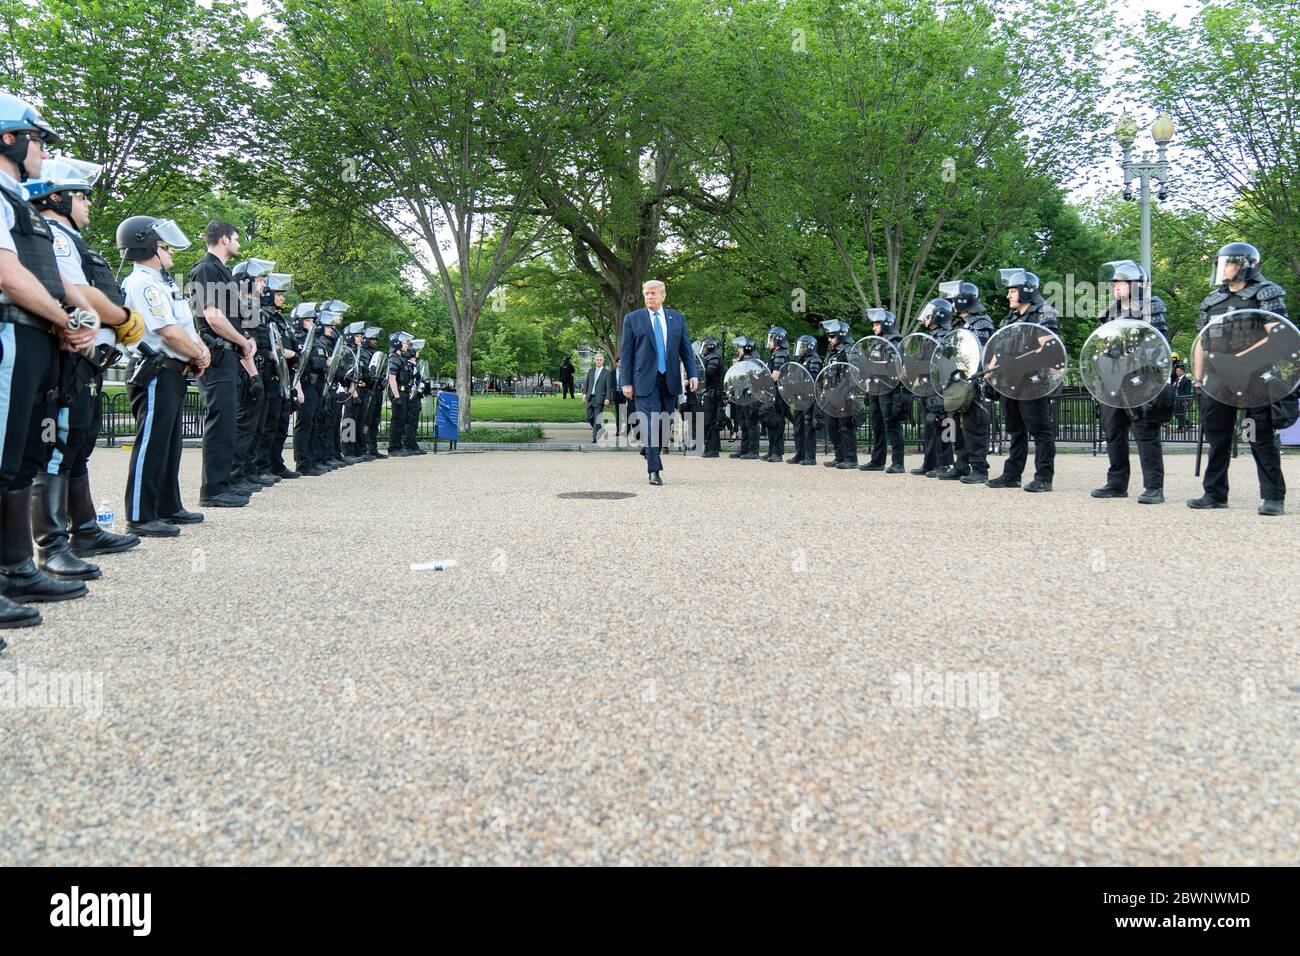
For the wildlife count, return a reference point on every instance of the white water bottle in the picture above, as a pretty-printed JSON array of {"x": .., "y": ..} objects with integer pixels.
[{"x": 105, "y": 515}]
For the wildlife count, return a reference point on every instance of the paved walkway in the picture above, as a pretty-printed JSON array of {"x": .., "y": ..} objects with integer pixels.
[{"x": 756, "y": 663}]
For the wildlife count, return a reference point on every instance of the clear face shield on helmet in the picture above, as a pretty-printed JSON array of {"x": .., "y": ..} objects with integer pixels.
[
  {"x": 950, "y": 290},
  {"x": 279, "y": 281},
  {"x": 170, "y": 234},
  {"x": 926, "y": 315},
  {"x": 1123, "y": 276},
  {"x": 1010, "y": 278},
  {"x": 303, "y": 310},
  {"x": 62, "y": 173},
  {"x": 256, "y": 268},
  {"x": 1231, "y": 268}
]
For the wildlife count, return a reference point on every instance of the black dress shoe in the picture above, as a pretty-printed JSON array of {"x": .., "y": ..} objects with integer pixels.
[
  {"x": 1152, "y": 496},
  {"x": 808, "y": 462},
  {"x": 157, "y": 528},
  {"x": 796, "y": 460},
  {"x": 847, "y": 465},
  {"x": 735, "y": 454},
  {"x": 1038, "y": 486},
  {"x": 869, "y": 466},
  {"x": 313, "y": 471},
  {"x": 244, "y": 489},
  {"x": 918, "y": 471},
  {"x": 974, "y": 478},
  {"x": 710, "y": 454},
  {"x": 225, "y": 500},
  {"x": 288, "y": 473},
  {"x": 1002, "y": 481},
  {"x": 378, "y": 455},
  {"x": 15, "y": 615},
  {"x": 832, "y": 463},
  {"x": 949, "y": 474},
  {"x": 267, "y": 478},
  {"x": 894, "y": 470},
  {"x": 183, "y": 517},
  {"x": 655, "y": 479},
  {"x": 1272, "y": 508},
  {"x": 1205, "y": 501},
  {"x": 25, "y": 582},
  {"x": 1109, "y": 491}
]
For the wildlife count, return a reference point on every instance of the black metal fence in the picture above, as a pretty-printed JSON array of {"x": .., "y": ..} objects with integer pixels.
[{"x": 1075, "y": 411}]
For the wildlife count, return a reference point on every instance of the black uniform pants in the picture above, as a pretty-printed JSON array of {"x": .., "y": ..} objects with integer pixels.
[
  {"x": 805, "y": 435},
  {"x": 353, "y": 409},
  {"x": 76, "y": 419},
  {"x": 153, "y": 488},
  {"x": 568, "y": 388},
  {"x": 844, "y": 438},
  {"x": 396, "y": 421},
  {"x": 1115, "y": 424},
  {"x": 749, "y": 429},
  {"x": 267, "y": 456},
  {"x": 29, "y": 375},
  {"x": 304, "y": 430},
  {"x": 972, "y": 455},
  {"x": 938, "y": 452},
  {"x": 219, "y": 386},
  {"x": 712, "y": 423},
  {"x": 249, "y": 424},
  {"x": 1025, "y": 419},
  {"x": 1220, "y": 421},
  {"x": 374, "y": 417},
  {"x": 775, "y": 427},
  {"x": 414, "y": 404},
  {"x": 885, "y": 428}
]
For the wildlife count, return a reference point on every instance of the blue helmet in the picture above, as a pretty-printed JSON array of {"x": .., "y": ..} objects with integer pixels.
[
  {"x": 18, "y": 116},
  {"x": 63, "y": 175}
]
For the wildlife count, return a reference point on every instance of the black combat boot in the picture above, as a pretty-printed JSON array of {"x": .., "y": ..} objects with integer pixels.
[
  {"x": 20, "y": 579},
  {"x": 49, "y": 516},
  {"x": 88, "y": 538}
]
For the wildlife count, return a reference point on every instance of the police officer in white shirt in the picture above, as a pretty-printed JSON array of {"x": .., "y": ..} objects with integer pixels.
[
  {"x": 63, "y": 509},
  {"x": 156, "y": 384}
]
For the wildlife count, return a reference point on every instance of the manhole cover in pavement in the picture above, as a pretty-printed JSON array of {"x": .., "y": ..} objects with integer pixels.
[{"x": 596, "y": 495}]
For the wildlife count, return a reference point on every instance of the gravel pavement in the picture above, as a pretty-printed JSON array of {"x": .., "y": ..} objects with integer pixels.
[{"x": 755, "y": 664}]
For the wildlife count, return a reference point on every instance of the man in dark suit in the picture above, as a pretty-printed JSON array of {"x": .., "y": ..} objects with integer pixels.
[
  {"x": 566, "y": 378},
  {"x": 599, "y": 390},
  {"x": 654, "y": 349},
  {"x": 622, "y": 407}
]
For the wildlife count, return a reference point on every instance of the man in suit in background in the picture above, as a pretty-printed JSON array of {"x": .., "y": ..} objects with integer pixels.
[
  {"x": 654, "y": 342},
  {"x": 599, "y": 390},
  {"x": 621, "y": 405}
]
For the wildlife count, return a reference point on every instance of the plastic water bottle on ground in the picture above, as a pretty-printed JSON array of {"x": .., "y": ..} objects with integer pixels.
[{"x": 105, "y": 515}]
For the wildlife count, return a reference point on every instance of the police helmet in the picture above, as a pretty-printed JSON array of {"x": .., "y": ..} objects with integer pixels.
[
  {"x": 885, "y": 318},
  {"x": 1241, "y": 254},
  {"x": 417, "y": 344},
  {"x": 1022, "y": 280},
  {"x": 372, "y": 332},
  {"x": 962, "y": 295},
  {"x": 708, "y": 345},
  {"x": 138, "y": 237},
  {"x": 398, "y": 339},
  {"x": 355, "y": 328},
  {"x": 18, "y": 116},
  {"x": 64, "y": 176},
  {"x": 937, "y": 312},
  {"x": 837, "y": 329},
  {"x": 303, "y": 310},
  {"x": 805, "y": 344},
  {"x": 777, "y": 336},
  {"x": 248, "y": 270}
]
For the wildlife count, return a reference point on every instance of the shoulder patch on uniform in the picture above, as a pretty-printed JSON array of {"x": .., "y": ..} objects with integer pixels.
[
  {"x": 62, "y": 247},
  {"x": 157, "y": 304}
]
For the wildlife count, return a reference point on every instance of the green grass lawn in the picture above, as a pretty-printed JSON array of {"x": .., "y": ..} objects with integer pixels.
[
  {"x": 514, "y": 436},
  {"x": 543, "y": 408}
]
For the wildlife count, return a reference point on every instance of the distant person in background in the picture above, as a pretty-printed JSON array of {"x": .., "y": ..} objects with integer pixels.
[
  {"x": 621, "y": 404},
  {"x": 599, "y": 389},
  {"x": 1182, "y": 394},
  {"x": 566, "y": 378}
]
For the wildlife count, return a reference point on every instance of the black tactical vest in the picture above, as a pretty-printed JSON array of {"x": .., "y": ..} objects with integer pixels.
[
  {"x": 98, "y": 270},
  {"x": 34, "y": 244}
]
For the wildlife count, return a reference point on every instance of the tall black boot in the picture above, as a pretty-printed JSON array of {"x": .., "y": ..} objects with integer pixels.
[
  {"x": 88, "y": 537},
  {"x": 50, "y": 530},
  {"x": 20, "y": 579}
]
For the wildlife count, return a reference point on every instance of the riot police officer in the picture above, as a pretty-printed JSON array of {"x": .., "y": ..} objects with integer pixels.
[
  {"x": 778, "y": 413},
  {"x": 843, "y": 430},
  {"x": 313, "y": 360},
  {"x": 746, "y": 416},
  {"x": 1131, "y": 298},
  {"x": 418, "y": 388},
  {"x": 329, "y": 453},
  {"x": 376, "y": 382},
  {"x": 170, "y": 349},
  {"x": 889, "y": 408},
  {"x": 399, "y": 381},
  {"x": 1033, "y": 417},
  {"x": 62, "y": 488},
  {"x": 32, "y": 299},
  {"x": 353, "y": 379},
  {"x": 250, "y": 276},
  {"x": 280, "y": 398},
  {"x": 936, "y": 319},
  {"x": 1239, "y": 284},
  {"x": 362, "y": 392},
  {"x": 971, "y": 420},
  {"x": 713, "y": 398},
  {"x": 806, "y": 421}
]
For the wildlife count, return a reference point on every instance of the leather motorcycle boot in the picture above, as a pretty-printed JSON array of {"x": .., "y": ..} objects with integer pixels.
[
  {"x": 15, "y": 615},
  {"x": 49, "y": 517},
  {"x": 20, "y": 579},
  {"x": 88, "y": 538}
]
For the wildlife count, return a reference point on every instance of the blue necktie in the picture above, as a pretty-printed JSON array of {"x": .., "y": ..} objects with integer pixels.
[{"x": 659, "y": 342}]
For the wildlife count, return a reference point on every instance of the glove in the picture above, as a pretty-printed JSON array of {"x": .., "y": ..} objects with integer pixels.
[{"x": 130, "y": 331}]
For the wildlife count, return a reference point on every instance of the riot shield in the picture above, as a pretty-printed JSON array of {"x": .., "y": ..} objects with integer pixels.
[
  {"x": 838, "y": 393},
  {"x": 281, "y": 366},
  {"x": 1024, "y": 361},
  {"x": 955, "y": 363},
  {"x": 1247, "y": 358},
  {"x": 749, "y": 382},
  {"x": 796, "y": 387},
  {"x": 1125, "y": 363},
  {"x": 378, "y": 368},
  {"x": 303, "y": 355},
  {"x": 916, "y": 352},
  {"x": 877, "y": 365},
  {"x": 336, "y": 358}
]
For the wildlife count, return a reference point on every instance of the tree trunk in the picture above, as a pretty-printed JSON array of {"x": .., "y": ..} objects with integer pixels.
[{"x": 464, "y": 371}]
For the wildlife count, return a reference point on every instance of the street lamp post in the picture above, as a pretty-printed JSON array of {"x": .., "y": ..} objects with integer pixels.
[{"x": 1145, "y": 170}]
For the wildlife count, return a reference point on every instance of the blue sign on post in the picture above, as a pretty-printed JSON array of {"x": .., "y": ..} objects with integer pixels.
[{"x": 446, "y": 416}]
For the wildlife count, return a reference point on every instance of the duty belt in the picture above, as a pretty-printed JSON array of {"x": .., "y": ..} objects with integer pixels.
[
  {"x": 176, "y": 365},
  {"x": 16, "y": 316}
]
